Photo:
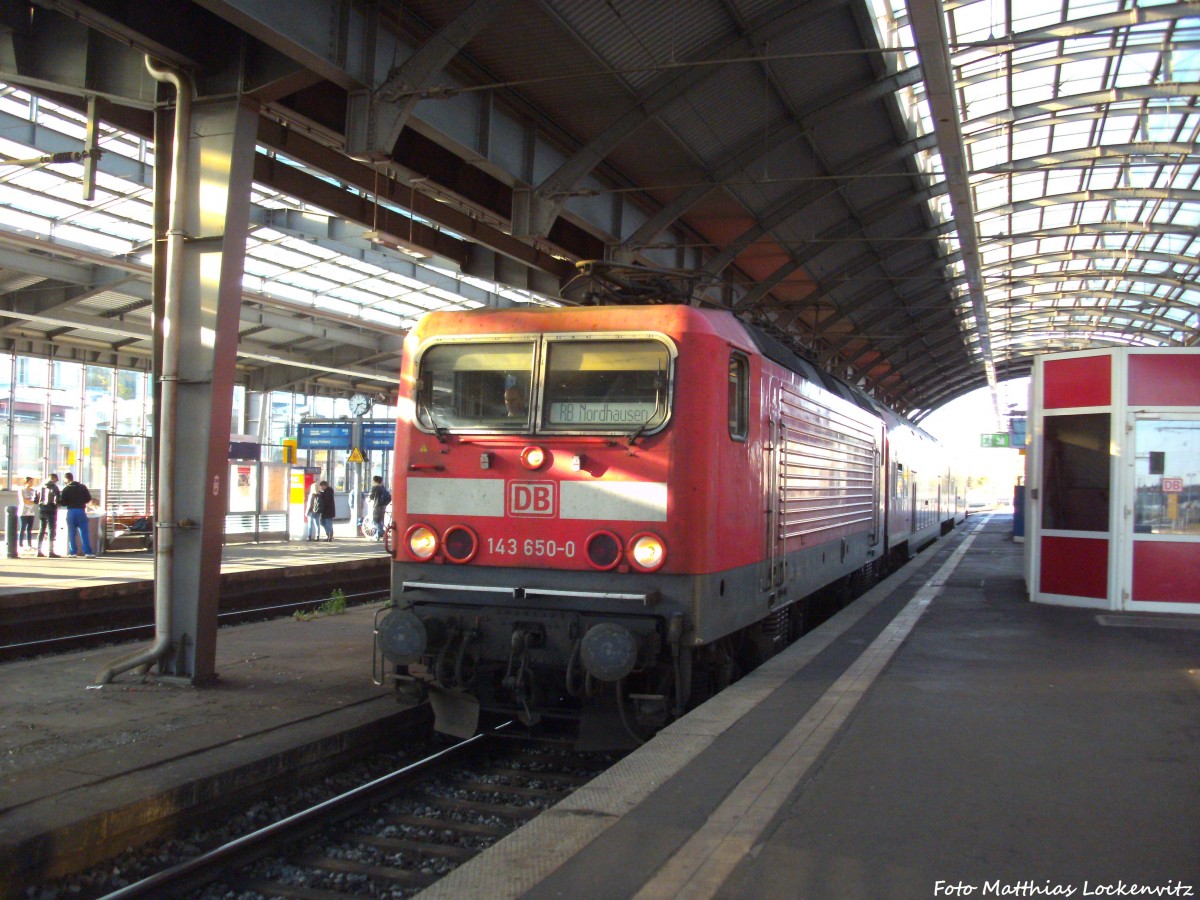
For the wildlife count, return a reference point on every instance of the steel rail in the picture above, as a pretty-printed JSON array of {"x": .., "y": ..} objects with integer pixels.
[{"x": 207, "y": 867}]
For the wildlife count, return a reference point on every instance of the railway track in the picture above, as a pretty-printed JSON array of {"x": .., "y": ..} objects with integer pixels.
[
  {"x": 96, "y": 621},
  {"x": 393, "y": 836}
]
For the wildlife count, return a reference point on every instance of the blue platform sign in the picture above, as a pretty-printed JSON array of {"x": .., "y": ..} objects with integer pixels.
[
  {"x": 1017, "y": 432},
  {"x": 378, "y": 435},
  {"x": 323, "y": 437}
]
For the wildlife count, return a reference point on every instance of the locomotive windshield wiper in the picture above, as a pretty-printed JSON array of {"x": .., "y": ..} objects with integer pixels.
[
  {"x": 439, "y": 430},
  {"x": 658, "y": 402}
]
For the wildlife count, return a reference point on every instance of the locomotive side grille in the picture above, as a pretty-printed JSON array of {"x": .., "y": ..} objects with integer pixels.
[{"x": 827, "y": 466}]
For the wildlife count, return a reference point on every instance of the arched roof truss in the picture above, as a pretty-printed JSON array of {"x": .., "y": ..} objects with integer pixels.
[
  {"x": 920, "y": 195},
  {"x": 1080, "y": 137}
]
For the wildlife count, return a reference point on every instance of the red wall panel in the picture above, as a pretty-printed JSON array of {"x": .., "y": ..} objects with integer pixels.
[
  {"x": 1080, "y": 381},
  {"x": 1075, "y": 567},
  {"x": 1166, "y": 572},
  {"x": 1164, "y": 379}
]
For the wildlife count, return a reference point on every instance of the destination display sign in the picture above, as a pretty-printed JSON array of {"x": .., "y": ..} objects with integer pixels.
[
  {"x": 378, "y": 436},
  {"x": 600, "y": 413},
  {"x": 323, "y": 437}
]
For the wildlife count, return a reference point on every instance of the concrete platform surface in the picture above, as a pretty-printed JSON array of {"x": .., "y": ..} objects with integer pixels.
[
  {"x": 79, "y": 763},
  {"x": 940, "y": 737},
  {"x": 28, "y": 573}
]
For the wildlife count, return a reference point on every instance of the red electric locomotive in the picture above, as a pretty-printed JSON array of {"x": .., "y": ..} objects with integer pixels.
[{"x": 601, "y": 514}]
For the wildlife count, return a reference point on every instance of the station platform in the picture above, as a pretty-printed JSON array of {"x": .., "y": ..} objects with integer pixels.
[
  {"x": 28, "y": 574},
  {"x": 940, "y": 737},
  {"x": 80, "y": 765}
]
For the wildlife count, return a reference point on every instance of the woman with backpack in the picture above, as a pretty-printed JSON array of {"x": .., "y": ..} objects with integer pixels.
[{"x": 379, "y": 498}]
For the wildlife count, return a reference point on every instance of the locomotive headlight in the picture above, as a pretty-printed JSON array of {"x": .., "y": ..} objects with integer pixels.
[
  {"x": 647, "y": 551},
  {"x": 533, "y": 457},
  {"x": 422, "y": 542}
]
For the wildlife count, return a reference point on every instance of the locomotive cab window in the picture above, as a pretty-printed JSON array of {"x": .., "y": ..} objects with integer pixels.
[
  {"x": 606, "y": 385},
  {"x": 739, "y": 396},
  {"x": 473, "y": 386}
]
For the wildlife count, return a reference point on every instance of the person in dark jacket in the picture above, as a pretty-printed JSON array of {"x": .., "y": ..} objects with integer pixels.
[
  {"x": 326, "y": 509},
  {"x": 48, "y": 512},
  {"x": 379, "y": 498},
  {"x": 75, "y": 497}
]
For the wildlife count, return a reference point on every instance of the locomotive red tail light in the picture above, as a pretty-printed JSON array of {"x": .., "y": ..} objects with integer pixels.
[
  {"x": 533, "y": 457},
  {"x": 421, "y": 541},
  {"x": 647, "y": 551},
  {"x": 603, "y": 550},
  {"x": 460, "y": 544}
]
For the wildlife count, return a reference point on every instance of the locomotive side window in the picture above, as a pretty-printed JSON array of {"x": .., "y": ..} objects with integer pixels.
[
  {"x": 475, "y": 385},
  {"x": 739, "y": 396},
  {"x": 606, "y": 385}
]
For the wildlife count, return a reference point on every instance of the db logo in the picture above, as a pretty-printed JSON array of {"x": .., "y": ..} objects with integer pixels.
[{"x": 531, "y": 498}]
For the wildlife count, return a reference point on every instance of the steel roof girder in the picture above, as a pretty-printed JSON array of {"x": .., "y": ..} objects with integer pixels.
[
  {"x": 66, "y": 45},
  {"x": 1173, "y": 195},
  {"x": 1120, "y": 297},
  {"x": 134, "y": 281},
  {"x": 1102, "y": 98},
  {"x": 376, "y": 117},
  {"x": 542, "y": 202},
  {"x": 1069, "y": 256},
  {"x": 1169, "y": 153},
  {"x": 1128, "y": 18},
  {"x": 929, "y": 29},
  {"x": 738, "y": 160},
  {"x": 339, "y": 40},
  {"x": 1104, "y": 275}
]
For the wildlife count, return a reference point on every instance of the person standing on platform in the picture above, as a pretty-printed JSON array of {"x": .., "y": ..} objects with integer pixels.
[
  {"x": 28, "y": 509},
  {"x": 379, "y": 498},
  {"x": 48, "y": 513},
  {"x": 326, "y": 509},
  {"x": 312, "y": 512},
  {"x": 75, "y": 497}
]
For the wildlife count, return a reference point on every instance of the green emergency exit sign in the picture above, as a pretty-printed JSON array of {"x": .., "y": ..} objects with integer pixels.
[{"x": 993, "y": 440}]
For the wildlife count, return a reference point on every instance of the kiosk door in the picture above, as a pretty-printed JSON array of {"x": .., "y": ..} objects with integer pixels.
[{"x": 1162, "y": 514}]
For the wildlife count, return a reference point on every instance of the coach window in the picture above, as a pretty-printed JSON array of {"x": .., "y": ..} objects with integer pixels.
[
  {"x": 468, "y": 386},
  {"x": 739, "y": 396}
]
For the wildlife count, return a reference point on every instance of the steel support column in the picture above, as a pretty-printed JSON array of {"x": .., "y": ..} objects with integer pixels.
[{"x": 217, "y": 194}]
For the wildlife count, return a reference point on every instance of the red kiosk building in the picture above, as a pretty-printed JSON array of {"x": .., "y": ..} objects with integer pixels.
[{"x": 1113, "y": 480}]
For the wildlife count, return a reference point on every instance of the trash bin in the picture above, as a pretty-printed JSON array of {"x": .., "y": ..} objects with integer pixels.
[{"x": 97, "y": 529}]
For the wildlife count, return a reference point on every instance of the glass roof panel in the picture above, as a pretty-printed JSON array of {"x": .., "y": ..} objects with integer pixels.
[{"x": 1036, "y": 103}]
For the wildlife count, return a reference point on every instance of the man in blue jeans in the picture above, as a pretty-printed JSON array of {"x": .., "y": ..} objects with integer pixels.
[{"x": 75, "y": 497}]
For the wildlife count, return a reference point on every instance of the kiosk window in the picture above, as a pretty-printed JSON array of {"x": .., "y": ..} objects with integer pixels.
[{"x": 1076, "y": 472}]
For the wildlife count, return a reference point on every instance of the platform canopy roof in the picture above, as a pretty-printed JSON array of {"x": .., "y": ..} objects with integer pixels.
[{"x": 919, "y": 196}]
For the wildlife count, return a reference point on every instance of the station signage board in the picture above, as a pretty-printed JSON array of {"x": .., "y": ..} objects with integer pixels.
[
  {"x": 378, "y": 436},
  {"x": 312, "y": 436}
]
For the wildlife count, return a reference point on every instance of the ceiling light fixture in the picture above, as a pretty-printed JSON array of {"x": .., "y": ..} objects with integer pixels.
[{"x": 400, "y": 245}]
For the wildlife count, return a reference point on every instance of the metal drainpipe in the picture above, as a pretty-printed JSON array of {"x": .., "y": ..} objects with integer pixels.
[{"x": 164, "y": 522}]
